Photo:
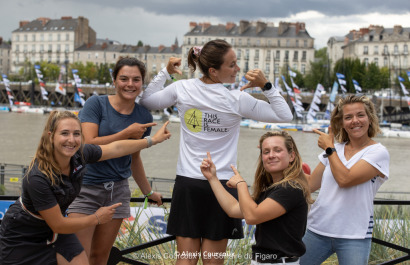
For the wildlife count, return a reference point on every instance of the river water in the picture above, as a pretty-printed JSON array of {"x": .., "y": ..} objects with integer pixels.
[{"x": 21, "y": 132}]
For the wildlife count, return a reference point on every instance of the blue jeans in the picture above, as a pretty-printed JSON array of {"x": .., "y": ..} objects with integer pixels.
[{"x": 348, "y": 251}]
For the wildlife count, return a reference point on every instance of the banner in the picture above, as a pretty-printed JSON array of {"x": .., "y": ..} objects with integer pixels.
[
  {"x": 44, "y": 92},
  {"x": 78, "y": 94},
  {"x": 8, "y": 90}
]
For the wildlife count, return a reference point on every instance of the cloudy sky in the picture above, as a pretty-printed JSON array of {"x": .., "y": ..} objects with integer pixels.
[{"x": 156, "y": 22}]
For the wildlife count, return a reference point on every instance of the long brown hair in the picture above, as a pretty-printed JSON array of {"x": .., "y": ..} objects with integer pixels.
[
  {"x": 293, "y": 174},
  {"x": 336, "y": 120},
  {"x": 44, "y": 156}
]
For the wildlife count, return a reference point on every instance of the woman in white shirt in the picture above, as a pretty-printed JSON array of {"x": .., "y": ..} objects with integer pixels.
[
  {"x": 210, "y": 120},
  {"x": 349, "y": 174}
]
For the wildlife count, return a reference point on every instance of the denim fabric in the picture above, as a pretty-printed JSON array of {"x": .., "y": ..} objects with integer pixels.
[{"x": 348, "y": 251}]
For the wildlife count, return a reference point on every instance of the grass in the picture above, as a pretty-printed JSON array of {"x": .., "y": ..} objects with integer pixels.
[{"x": 392, "y": 224}]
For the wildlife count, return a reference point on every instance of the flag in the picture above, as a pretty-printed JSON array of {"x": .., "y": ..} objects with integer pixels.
[
  {"x": 315, "y": 101},
  {"x": 112, "y": 77},
  {"x": 277, "y": 85},
  {"x": 333, "y": 94},
  {"x": 408, "y": 75},
  {"x": 295, "y": 98},
  {"x": 8, "y": 90},
  {"x": 44, "y": 92},
  {"x": 401, "y": 79},
  {"x": 340, "y": 76},
  {"x": 291, "y": 73},
  {"x": 356, "y": 86},
  {"x": 78, "y": 95},
  {"x": 59, "y": 89}
]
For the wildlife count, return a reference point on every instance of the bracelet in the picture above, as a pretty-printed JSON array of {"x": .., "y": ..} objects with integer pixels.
[
  {"x": 98, "y": 219},
  {"x": 146, "y": 198},
  {"x": 149, "y": 140},
  {"x": 239, "y": 182}
]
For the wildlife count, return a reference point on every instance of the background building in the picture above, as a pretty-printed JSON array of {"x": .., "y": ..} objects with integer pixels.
[
  {"x": 5, "y": 50},
  {"x": 385, "y": 47},
  {"x": 257, "y": 45},
  {"x": 52, "y": 40}
]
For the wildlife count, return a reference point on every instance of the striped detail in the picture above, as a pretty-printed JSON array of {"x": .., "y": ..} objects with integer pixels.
[{"x": 370, "y": 227}]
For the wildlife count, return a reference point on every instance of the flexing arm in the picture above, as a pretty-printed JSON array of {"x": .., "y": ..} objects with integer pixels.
[
  {"x": 62, "y": 225},
  {"x": 277, "y": 110},
  {"x": 127, "y": 147},
  {"x": 155, "y": 96}
]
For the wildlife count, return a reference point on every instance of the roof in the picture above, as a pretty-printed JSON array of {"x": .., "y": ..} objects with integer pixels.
[
  {"x": 66, "y": 24},
  {"x": 129, "y": 48}
]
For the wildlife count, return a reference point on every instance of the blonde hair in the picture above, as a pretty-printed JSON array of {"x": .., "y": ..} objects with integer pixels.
[
  {"x": 336, "y": 120},
  {"x": 44, "y": 156},
  {"x": 293, "y": 174}
]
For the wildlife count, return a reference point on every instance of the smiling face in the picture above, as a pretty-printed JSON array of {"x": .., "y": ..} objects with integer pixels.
[
  {"x": 355, "y": 120},
  {"x": 128, "y": 82},
  {"x": 275, "y": 156},
  {"x": 66, "y": 139},
  {"x": 228, "y": 70}
]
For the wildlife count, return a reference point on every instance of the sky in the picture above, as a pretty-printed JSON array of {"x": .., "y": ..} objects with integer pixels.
[{"x": 160, "y": 22}]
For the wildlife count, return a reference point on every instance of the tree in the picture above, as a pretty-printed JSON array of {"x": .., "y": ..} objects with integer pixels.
[
  {"x": 319, "y": 70},
  {"x": 140, "y": 43}
]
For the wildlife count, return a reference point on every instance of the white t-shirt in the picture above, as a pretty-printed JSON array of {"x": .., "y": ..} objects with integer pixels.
[
  {"x": 210, "y": 119},
  {"x": 348, "y": 212}
]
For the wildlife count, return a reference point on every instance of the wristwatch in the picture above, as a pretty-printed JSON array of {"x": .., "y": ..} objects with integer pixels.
[
  {"x": 267, "y": 86},
  {"x": 329, "y": 151}
]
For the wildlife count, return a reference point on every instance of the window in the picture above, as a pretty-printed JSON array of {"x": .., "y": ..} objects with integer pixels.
[
  {"x": 17, "y": 48},
  {"x": 256, "y": 65},
  {"x": 287, "y": 43},
  {"x": 247, "y": 54},
  {"x": 396, "y": 49},
  {"x": 89, "y": 55},
  {"x": 295, "y": 55},
  {"x": 278, "y": 43},
  {"x": 366, "y": 62},
  {"x": 25, "y": 37},
  {"x": 286, "y": 55},
  {"x": 240, "y": 42},
  {"x": 405, "y": 49},
  {"x": 248, "y": 42},
  {"x": 305, "y": 43},
  {"x": 67, "y": 36},
  {"x": 297, "y": 43},
  {"x": 385, "y": 62},
  {"x": 376, "y": 49},
  {"x": 304, "y": 56},
  {"x": 41, "y": 48},
  {"x": 66, "y": 48},
  {"x": 277, "y": 55},
  {"x": 33, "y": 48},
  {"x": 41, "y": 37},
  {"x": 258, "y": 43},
  {"x": 303, "y": 69},
  {"x": 256, "y": 54},
  {"x": 267, "y": 68},
  {"x": 189, "y": 40},
  {"x": 196, "y": 41},
  {"x": 276, "y": 68},
  {"x": 268, "y": 55},
  {"x": 58, "y": 37},
  {"x": 25, "y": 48},
  {"x": 33, "y": 37},
  {"x": 50, "y": 47},
  {"x": 385, "y": 49},
  {"x": 154, "y": 67},
  {"x": 246, "y": 69},
  {"x": 239, "y": 54},
  {"x": 376, "y": 61},
  {"x": 58, "y": 47},
  {"x": 405, "y": 62},
  {"x": 114, "y": 56},
  {"x": 17, "y": 37},
  {"x": 365, "y": 50},
  {"x": 50, "y": 37}
]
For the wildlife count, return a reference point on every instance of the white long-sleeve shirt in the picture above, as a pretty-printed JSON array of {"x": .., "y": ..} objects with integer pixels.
[{"x": 210, "y": 119}]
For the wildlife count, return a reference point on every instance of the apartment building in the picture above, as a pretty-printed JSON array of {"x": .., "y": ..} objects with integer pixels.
[
  {"x": 155, "y": 58},
  {"x": 257, "y": 45},
  {"x": 52, "y": 40},
  {"x": 386, "y": 47},
  {"x": 5, "y": 50}
]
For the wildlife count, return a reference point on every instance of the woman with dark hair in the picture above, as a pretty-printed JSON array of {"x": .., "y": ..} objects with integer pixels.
[
  {"x": 105, "y": 119},
  {"x": 34, "y": 230},
  {"x": 210, "y": 120},
  {"x": 280, "y": 200},
  {"x": 349, "y": 174}
]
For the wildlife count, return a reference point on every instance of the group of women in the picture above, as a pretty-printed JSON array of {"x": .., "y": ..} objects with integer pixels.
[{"x": 210, "y": 197}]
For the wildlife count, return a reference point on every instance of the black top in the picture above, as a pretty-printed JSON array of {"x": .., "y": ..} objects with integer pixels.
[
  {"x": 283, "y": 235},
  {"x": 38, "y": 194}
]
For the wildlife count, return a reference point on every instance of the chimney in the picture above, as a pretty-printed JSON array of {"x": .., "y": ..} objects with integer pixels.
[
  {"x": 1, "y": 40},
  {"x": 104, "y": 46},
  {"x": 300, "y": 26},
  {"x": 260, "y": 26},
  {"x": 89, "y": 45},
  {"x": 229, "y": 26},
  {"x": 23, "y": 23},
  {"x": 67, "y": 17},
  {"x": 44, "y": 20},
  {"x": 161, "y": 48},
  {"x": 243, "y": 26},
  {"x": 364, "y": 31},
  {"x": 283, "y": 26},
  {"x": 205, "y": 26},
  {"x": 192, "y": 25},
  {"x": 397, "y": 29}
]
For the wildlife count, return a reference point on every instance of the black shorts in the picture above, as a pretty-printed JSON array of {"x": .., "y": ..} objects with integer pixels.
[
  {"x": 196, "y": 213},
  {"x": 23, "y": 240}
]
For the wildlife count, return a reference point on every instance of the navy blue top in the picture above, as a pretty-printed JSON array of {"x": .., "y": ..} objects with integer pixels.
[{"x": 98, "y": 110}]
